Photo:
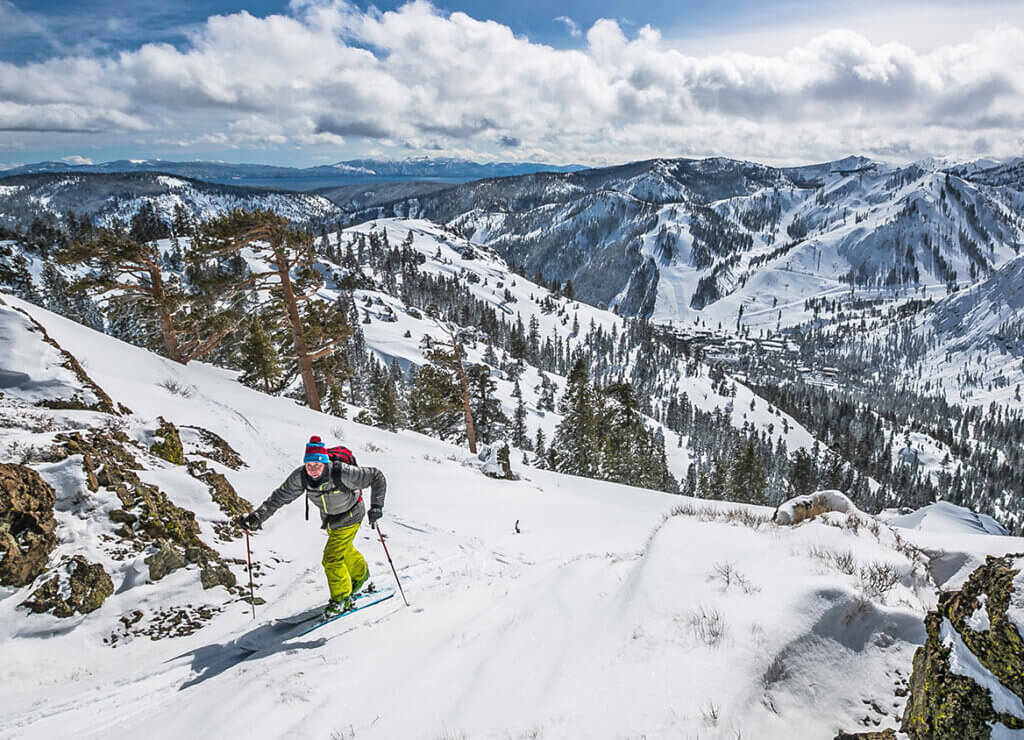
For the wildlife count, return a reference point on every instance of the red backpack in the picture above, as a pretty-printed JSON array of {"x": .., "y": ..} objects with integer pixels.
[{"x": 342, "y": 454}]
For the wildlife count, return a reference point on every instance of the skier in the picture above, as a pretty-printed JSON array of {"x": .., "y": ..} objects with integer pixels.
[{"x": 333, "y": 487}]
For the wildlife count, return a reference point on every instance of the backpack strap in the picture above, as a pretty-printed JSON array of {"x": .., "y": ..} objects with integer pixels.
[{"x": 336, "y": 477}]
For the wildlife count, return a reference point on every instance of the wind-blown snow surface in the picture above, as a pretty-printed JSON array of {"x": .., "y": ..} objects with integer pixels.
[
  {"x": 943, "y": 516},
  {"x": 601, "y": 619}
]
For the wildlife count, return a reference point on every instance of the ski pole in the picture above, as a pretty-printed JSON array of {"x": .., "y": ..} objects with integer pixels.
[
  {"x": 379, "y": 534},
  {"x": 252, "y": 592}
]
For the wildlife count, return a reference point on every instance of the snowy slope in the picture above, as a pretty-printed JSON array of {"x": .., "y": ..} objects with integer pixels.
[
  {"x": 949, "y": 518},
  {"x": 689, "y": 238},
  {"x": 445, "y": 254},
  {"x": 601, "y": 619},
  {"x": 978, "y": 333}
]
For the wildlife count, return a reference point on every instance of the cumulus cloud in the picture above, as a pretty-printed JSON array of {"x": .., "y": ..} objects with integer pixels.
[{"x": 329, "y": 74}]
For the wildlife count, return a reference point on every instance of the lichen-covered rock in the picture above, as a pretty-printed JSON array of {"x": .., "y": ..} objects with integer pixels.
[
  {"x": 147, "y": 517},
  {"x": 881, "y": 735},
  {"x": 972, "y": 624},
  {"x": 78, "y": 586},
  {"x": 221, "y": 491},
  {"x": 26, "y": 524},
  {"x": 106, "y": 458},
  {"x": 165, "y": 560},
  {"x": 214, "y": 447},
  {"x": 168, "y": 444},
  {"x": 217, "y": 574}
]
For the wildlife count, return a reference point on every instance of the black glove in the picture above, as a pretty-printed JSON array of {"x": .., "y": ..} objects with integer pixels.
[
  {"x": 250, "y": 521},
  {"x": 373, "y": 515}
]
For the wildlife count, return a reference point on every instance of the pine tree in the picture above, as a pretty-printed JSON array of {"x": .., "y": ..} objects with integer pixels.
[
  {"x": 448, "y": 356},
  {"x": 258, "y": 357},
  {"x": 435, "y": 404},
  {"x": 290, "y": 255},
  {"x": 690, "y": 487},
  {"x": 539, "y": 448},
  {"x": 747, "y": 477},
  {"x": 802, "y": 477},
  {"x": 717, "y": 486},
  {"x": 622, "y": 437},
  {"x": 519, "y": 436},
  {"x": 576, "y": 444},
  {"x": 191, "y": 323},
  {"x": 489, "y": 420},
  {"x": 56, "y": 290},
  {"x": 387, "y": 408}
]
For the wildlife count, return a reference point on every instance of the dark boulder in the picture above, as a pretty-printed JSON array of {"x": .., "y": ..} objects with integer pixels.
[
  {"x": 77, "y": 587},
  {"x": 26, "y": 524}
]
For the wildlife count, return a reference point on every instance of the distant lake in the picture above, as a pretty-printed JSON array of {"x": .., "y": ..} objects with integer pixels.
[{"x": 316, "y": 183}]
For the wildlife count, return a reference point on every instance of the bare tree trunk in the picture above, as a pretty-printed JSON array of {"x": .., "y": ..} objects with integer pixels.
[
  {"x": 470, "y": 429},
  {"x": 305, "y": 364},
  {"x": 166, "y": 320}
]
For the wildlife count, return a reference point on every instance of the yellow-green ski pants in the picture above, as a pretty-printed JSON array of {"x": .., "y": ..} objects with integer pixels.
[{"x": 343, "y": 563}]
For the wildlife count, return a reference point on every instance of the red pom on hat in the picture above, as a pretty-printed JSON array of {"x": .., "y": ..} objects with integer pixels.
[{"x": 315, "y": 440}]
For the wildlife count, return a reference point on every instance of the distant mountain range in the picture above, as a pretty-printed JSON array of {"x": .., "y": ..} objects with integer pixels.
[
  {"x": 713, "y": 242},
  {"x": 309, "y": 178}
]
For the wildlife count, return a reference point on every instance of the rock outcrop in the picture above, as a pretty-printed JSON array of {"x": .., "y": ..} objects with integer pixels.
[
  {"x": 808, "y": 506},
  {"x": 221, "y": 490},
  {"x": 77, "y": 587},
  {"x": 969, "y": 675},
  {"x": 147, "y": 517},
  {"x": 168, "y": 443},
  {"x": 165, "y": 560},
  {"x": 214, "y": 447},
  {"x": 27, "y": 524}
]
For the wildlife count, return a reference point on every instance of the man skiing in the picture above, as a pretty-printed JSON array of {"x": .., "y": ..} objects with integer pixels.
[{"x": 333, "y": 487}]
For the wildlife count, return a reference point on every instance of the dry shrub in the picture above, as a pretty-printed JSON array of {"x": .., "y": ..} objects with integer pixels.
[
  {"x": 877, "y": 579},
  {"x": 707, "y": 513},
  {"x": 707, "y": 626},
  {"x": 844, "y": 562}
]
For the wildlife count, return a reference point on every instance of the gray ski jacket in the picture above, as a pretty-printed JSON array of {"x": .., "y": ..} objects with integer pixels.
[{"x": 339, "y": 505}]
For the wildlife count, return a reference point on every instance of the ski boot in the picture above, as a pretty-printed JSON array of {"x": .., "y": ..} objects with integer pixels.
[
  {"x": 337, "y": 608},
  {"x": 364, "y": 581}
]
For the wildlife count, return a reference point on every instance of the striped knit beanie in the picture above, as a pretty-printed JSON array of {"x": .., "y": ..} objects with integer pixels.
[{"x": 316, "y": 452}]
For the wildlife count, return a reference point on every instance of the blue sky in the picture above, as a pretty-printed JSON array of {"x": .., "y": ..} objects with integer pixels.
[
  {"x": 314, "y": 81},
  {"x": 109, "y": 27}
]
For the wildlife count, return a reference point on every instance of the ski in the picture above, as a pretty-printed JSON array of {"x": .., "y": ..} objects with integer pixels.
[
  {"x": 316, "y": 611},
  {"x": 370, "y": 599},
  {"x": 288, "y": 628}
]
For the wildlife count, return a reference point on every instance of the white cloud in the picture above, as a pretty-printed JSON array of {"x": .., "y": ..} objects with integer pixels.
[
  {"x": 570, "y": 24},
  {"x": 329, "y": 76},
  {"x": 76, "y": 159}
]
